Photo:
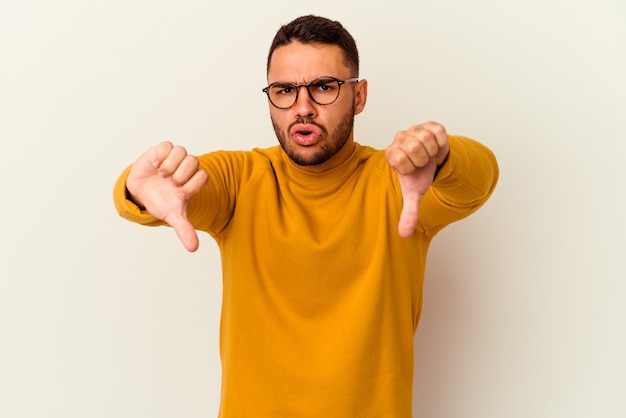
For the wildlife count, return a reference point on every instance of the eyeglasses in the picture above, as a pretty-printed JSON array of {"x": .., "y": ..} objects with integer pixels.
[{"x": 322, "y": 90}]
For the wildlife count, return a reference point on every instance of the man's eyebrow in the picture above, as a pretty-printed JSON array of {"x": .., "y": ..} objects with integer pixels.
[{"x": 283, "y": 83}]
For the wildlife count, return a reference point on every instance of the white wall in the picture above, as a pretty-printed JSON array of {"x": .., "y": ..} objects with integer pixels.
[{"x": 524, "y": 302}]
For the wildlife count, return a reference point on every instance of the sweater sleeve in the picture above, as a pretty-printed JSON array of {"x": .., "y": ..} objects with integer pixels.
[
  {"x": 208, "y": 210},
  {"x": 126, "y": 208},
  {"x": 463, "y": 184}
]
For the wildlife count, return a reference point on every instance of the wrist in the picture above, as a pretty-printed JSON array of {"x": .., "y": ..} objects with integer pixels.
[{"x": 133, "y": 200}]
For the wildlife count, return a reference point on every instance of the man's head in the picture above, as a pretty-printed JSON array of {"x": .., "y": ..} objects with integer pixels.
[
  {"x": 313, "y": 130},
  {"x": 317, "y": 30}
]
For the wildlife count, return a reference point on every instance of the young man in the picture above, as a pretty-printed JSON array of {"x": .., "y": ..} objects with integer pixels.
[{"x": 323, "y": 252}]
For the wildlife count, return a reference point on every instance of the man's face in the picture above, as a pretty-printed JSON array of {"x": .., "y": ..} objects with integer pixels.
[{"x": 312, "y": 134}]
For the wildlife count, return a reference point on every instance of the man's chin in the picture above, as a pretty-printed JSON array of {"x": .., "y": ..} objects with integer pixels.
[
  {"x": 307, "y": 161},
  {"x": 307, "y": 157}
]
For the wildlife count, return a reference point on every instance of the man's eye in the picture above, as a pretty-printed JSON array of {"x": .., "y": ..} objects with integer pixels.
[
  {"x": 282, "y": 90},
  {"x": 324, "y": 87}
]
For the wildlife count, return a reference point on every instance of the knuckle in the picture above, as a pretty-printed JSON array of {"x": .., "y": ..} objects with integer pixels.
[
  {"x": 161, "y": 150},
  {"x": 394, "y": 157},
  {"x": 437, "y": 128},
  {"x": 179, "y": 151},
  {"x": 400, "y": 137},
  {"x": 195, "y": 182},
  {"x": 422, "y": 159},
  {"x": 432, "y": 147},
  {"x": 191, "y": 162},
  {"x": 165, "y": 145},
  {"x": 203, "y": 177},
  {"x": 413, "y": 147}
]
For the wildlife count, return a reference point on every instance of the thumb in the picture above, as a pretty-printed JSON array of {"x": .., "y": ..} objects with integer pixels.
[
  {"x": 185, "y": 231},
  {"x": 413, "y": 186},
  {"x": 410, "y": 205}
]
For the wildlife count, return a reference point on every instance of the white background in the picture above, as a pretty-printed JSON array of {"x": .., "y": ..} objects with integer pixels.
[{"x": 524, "y": 302}]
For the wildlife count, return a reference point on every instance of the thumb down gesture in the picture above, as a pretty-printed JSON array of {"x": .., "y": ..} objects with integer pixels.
[
  {"x": 163, "y": 180},
  {"x": 415, "y": 155}
]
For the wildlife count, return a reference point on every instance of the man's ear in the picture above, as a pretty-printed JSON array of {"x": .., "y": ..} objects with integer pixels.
[{"x": 360, "y": 96}]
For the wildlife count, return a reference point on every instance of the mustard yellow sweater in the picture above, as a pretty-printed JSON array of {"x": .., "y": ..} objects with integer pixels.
[{"x": 321, "y": 296}]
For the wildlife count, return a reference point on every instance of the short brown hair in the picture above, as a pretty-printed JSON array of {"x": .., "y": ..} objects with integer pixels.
[{"x": 314, "y": 29}]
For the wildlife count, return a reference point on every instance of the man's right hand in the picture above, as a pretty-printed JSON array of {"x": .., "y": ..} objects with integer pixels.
[{"x": 163, "y": 180}]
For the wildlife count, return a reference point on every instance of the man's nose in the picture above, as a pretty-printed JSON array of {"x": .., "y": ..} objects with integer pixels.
[{"x": 305, "y": 106}]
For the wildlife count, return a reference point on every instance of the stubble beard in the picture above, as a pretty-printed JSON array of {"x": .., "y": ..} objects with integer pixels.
[{"x": 326, "y": 150}]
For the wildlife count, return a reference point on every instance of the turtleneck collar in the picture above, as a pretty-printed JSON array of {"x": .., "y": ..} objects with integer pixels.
[{"x": 337, "y": 168}]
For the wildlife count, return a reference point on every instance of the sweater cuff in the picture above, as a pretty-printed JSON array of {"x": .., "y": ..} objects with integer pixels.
[{"x": 128, "y": 209}]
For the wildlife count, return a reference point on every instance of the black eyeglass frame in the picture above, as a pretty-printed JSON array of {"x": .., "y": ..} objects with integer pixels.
[{"x": 297, "y": 87}]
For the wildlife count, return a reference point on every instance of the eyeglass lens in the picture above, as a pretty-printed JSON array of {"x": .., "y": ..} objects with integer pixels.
[{"x": 322, "y": 90}]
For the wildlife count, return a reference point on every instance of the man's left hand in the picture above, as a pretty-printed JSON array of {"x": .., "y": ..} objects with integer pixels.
[{"x": 415, "y": 155}]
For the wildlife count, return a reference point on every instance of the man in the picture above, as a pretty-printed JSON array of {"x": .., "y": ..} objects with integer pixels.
[{"x": 323, "y": 252}]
